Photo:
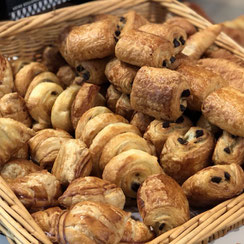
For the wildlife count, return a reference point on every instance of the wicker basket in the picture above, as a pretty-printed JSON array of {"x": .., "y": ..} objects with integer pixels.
[{"x": 27, "y": 38}]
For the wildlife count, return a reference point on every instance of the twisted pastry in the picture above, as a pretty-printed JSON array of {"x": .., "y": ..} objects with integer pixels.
[
  {"x": 112, "y": 96},
  {"x": 141, "y": 121},
  {"x": 66, "y": 75},
  {"x": 93, "y": 189},
  {"x": 162, "y": 203},
  {"x": 123, "y": 107},
  {"x": 183, "y": 156},
  {"x": 129, "y": 169},
  {"x": 213, "y": 185},
  {"x": 73, "y": 161}
]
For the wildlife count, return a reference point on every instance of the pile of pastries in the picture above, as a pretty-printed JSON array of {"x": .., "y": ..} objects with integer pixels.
[{"x": 123, "y": 113}]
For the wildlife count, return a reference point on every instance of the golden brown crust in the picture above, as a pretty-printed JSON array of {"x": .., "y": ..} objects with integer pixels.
[
  {"x": 13, "y": 106},
  {"x": 184, "y": 155},
  {"x": 159, "y": 93},
  {"x": 225, "y": 109},
  {"x": 123, "y": 106},
  {"x": 158, "y": 131},
  {"x": 129, "y": 169},
  {"x": 73, "y": 161},
  {"x": 205, "y": 124},
  {"x": 141, "y": 121},
  {"x": 162, "y": 203},
  {"x": 214, "y": 184},
  {"x": 22, "y": 153},
  {"x": 112, "y": 96},
  {"x": 18, "y": 64},
  {"x": 37, "y": 190},
  {"x": 92, "y": 189},
  {"x": 66, "y": 75}
]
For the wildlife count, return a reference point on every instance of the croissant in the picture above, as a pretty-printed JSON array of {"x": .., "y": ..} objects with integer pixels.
[
  {"x": 199, "y": 42},
  {"x": 45, "y": 145},
  {"x": 60, "y": 113},
  {"x": 158, "y": 131},
  {"x": 112, "y": 96},
  {"x": 205, "y": 124},
  {"x": 6, "y": 77},
  {"x": 160, "y": 93},
  {"x": 121, "y": 75},
  {"x": 229, "y": 71},
  {"x": 93, "y": 189},
  {"x": 87, "y": 97},
  {"x": 144, "y": 49},
  {"x": 202, "y": 82},
  {"x": 73, "y": 161},
  {"x": 91, "y": 222},
  {"x": 13, "y": 106},
  {"x": 37, "y": 190},
  {"x": 66, "y": 75},
  {"x": 25, "y": 76},
  {"x": 48, "y": 220},
  {"x": 17, "y": 168},
  {"x": 13, "y": 136},
  {"x": 183, "y": 156},
  {"x": 162, "y": 203},
  {"x": 213, "y": 185},
  {"x": 18, "y": 64},
  {"x": 129, "y": 169},
  {"x": 225, "y": 109},
  {"x": 123, "y": 107},
  {"x": 141, "y": 121}
]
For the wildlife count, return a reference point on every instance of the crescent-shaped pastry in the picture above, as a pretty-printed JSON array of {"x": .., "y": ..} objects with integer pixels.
[
  {"x": 199, "y": 42},
  {"x": 92, "y": 189},
  {"x": 66, "y": 75},
  {"x": 18, "y": 64},
  {"x": 123, "y": 106},
  {"x": 158, "y": 131},
  {"x": 144, "y": 49},
  {"x": 88, "y": 115},
  {"x": 87, "y": 97},
  {"x": 22, "y": 153},
  {"x": 103, "y": 137},
  {"x": 121, "y": 143},
  {"x": 202, "y": 82},
  {"x": 45, "y": 145},
  {"x": 225, "y": 109},
  {"x": 121, "y": 75},
  {"x": 18, "y": 168},
  {"x": 112, "y": 96},
  {"x": 37, "y": 190},
  {"x": 61, "y": 110},
  {"x": 13, "y": 136},
  {"x": 6, "y": 77},
  {"x": 25, "y": 76},
  {"x": 90, "y": 222},
  {"x": 129, "y": 169},
  {"x": 13, "y": 106},
  {"x": 73, "y": 161},
  {"x": 183, "y": 156},
  {"x": 41, "y": 100},
  {"x": 229, "y": 149},
  {"x": 48, "y": 220},
  {"x": 160, "y": 93},
  {"x": 213, "y": 185},
  {"x": 162, "y": 203},
  {"x": 141, "y": 121},
  {"x": 205, "y": 124}
]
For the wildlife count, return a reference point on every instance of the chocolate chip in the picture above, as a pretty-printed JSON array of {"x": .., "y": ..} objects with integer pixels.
[
  {"x": 116, "y": 39},
  {"x": 182, "y": 40},
  {"x": 172, "y": 59},
  {"x": 176, "y": 43},
  {"x": 79, "y": 68},
  {"x": 180, "y": 120},
  {"x": 161, "y": 226},
  {"x": 117, "y": 32},
  {"x": 166, "y": 124},
  {"x": 182, "y": 108},
  {"x": 186, "y": 93},
  {"x": 86, "y": 75},
  {"x": 227, "y": 150},
  {"x": 216, "y": 179},
  {"x": 164, "y": 63},
  {"x": 227, "y": 176},
  {"x": 122, "y": 19},
  {"x": 54, "y": 93},
  {"x": 182, "y": 141},
  {"x": 135, "y": 186},
  {"x": 199, "y": 133},
  {"x": 233, "y": 136}
]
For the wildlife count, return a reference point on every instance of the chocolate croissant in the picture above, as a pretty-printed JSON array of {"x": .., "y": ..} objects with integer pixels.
[
  {"x": 112, "y": 97},
  {"x": 73, "y": 161},
  {"x": 160, "y": 93},
  {"x": 18, "y": 64},
  {"x": 158, "y": 131},
  {"x": 225, "y": 109},
  {"x": 183, "y": 156},
  {"x": 93, "y": 189},
  {"x": 213, "y": 185},
  {"x": 162, "y": 203},
  {"x": 22, "y": 153},
  {"x": 141, "y": 121},
  {"x": 129, "y": 169},
  {"x": 205, "y": 124},
  {"x": 229, "y": 149},
  {"x": 91, "y": 222},
  {"x": 66, "y": 75},
  {"x": 123, "y": 106}
]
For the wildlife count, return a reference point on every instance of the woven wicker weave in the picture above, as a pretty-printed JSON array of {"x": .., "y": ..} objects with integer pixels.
[{"x": 27, "y": 38}]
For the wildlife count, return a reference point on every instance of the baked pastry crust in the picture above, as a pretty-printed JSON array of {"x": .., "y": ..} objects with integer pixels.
[
  {"x": 66, "y": 75},
  {"x": 73, "y": 161},
  {"x": 129, "y": 169},
  {"x": 205, "y": 124},
  {"x": 141, "y": 121},
  {"x": 123, "y": 106},
  {"x": 162, "y": 203},
  {"x": 225, "y": 109},
  {"x": 214, "y": 184},
  {"x": 159, "y": 93},
  {"x": 112, "y": 96},
  {"x": 93, "y": 189},
  {"x": 22, "y": 153},
  {"x": 183, "y": 156},
  {"x": 18, "y": 64}
]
